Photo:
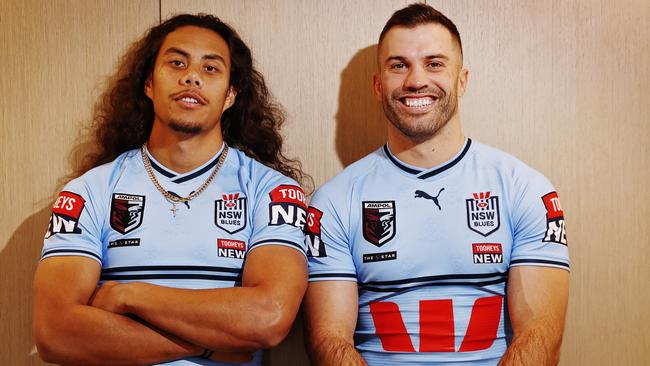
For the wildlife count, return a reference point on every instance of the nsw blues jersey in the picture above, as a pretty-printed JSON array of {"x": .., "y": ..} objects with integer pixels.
[
  {"x": 430, "y": 250},
  {"x": 114, "y": 215}
]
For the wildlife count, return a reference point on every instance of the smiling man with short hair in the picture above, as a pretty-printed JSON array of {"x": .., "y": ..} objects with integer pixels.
[{"x": 434, "y": 249}]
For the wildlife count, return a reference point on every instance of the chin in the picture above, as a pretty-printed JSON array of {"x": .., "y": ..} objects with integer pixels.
[{"x": 190, "y": 128}]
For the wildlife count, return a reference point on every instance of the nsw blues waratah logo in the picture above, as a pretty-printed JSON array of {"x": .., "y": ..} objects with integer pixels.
[
  {"x": 230, "y": 212},
  {"x": 483, "y": 213}
]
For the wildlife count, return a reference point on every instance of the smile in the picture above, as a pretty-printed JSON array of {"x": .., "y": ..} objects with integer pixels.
[
  {"x": 189, "y": 100},
  {"x": 419, "y": 102}
]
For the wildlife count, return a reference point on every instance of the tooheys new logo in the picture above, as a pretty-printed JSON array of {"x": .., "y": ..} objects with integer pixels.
[
  {"x": 555, "y": 229},
  {"x": 65, "y": 214},
  {"x": 315, "y": 245},
  {"x": 287, "y": 206}
]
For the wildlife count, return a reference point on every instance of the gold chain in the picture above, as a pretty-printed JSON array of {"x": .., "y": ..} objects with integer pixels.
[{"x": 173, "y": 199}]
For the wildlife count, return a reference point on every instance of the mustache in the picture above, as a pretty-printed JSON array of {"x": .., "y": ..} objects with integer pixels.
[
  {"x": 436, "y": 92},
  {"x": 190, "y": 93}
]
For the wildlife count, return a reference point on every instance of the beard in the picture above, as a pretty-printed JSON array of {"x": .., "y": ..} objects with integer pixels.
[
  {"x": 423, "y": 127},
  {"x": 186, "y": 127}
]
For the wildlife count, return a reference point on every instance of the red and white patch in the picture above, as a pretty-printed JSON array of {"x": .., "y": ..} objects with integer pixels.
[
  {"x": 287, "y": 206},
  {"x": 487, "y": 253},
  {"x": 313, "y": 220},
  {"x": 231, "y": 248},
  {"x": 68, "y": 204},
  {"x": 555, "y": 227},
  {"x": 553, "y": 208},
  {"x": 66, "y": 211},
  {"x": 315, "y": 245},
  {"x": 289, "y": 194}
]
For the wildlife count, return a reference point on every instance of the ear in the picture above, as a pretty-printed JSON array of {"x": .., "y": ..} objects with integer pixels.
[
  {"x": 462, "y": 82},
  {"x": 231, "y": 94},
  {"x": 148, "y": 87},
  {"x": 376, "y": 85}
]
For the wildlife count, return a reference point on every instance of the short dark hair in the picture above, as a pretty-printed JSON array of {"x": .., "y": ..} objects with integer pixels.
[
  {"x": 419, "y": 14},
  {"x": 124, "y": 115}
]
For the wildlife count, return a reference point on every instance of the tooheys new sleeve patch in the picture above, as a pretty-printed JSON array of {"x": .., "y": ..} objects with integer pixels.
[
  {"x": 315, "y": 245},
  {"x": 287, "y": 206},
  {"x": 555, "y": 230},
  {"x": 65, "y": 214}
]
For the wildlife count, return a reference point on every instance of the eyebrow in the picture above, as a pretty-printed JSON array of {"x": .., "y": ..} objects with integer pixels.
[
  {"x": 209, "y": 56},
  {"x": 429, "y": 57}
]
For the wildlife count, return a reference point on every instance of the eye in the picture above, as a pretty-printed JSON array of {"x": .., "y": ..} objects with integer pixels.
[
  {"x": 177, "y": 63},
  {"x": 435, "y": 65},
  {"x": 211, "y": 69},
  {"x": 398, "y": 66}
]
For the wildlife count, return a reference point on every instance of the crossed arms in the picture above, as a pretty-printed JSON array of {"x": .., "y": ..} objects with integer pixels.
[
  {"x": 537, "y": 299},
  {"x": 76, "y": 323}
]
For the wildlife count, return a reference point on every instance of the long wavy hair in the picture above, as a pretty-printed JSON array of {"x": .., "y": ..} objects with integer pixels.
[{"x": 123, "y": 116}]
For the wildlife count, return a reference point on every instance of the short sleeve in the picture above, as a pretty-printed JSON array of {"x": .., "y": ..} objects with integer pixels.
[
  {"x": 75, "y": 224},
  {"x": 538, "y": 226},
  {"x": 278, "y": 213},
  {"x": 328, "y": 245}
]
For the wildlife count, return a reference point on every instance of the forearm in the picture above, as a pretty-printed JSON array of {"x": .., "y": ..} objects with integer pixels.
[
  {"x": 231, "y": 319},
  {"x": 534, "y": 346},
  {"x": 334, "y": 351},
  {"x": 83, "y": 335}
]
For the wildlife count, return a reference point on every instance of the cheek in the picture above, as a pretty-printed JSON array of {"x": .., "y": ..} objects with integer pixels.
[{"x": 391, "y": 84}]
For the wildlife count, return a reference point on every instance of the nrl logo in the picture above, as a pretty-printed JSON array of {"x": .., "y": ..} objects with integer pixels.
[
  {"x": 483, "y": 213},
  {"x": 378, "y": 221}
]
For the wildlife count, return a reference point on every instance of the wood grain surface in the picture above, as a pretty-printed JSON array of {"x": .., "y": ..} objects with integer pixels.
[{"x": 562, "y": 85}]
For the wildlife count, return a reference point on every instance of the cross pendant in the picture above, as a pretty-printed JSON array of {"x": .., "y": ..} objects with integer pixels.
[{"x": 173, "y": 209}]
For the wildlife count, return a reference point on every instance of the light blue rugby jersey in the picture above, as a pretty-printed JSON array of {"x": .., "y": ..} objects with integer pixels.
[
  {"x": 115, "y": 215},
  {"x": 430, "y": 250}
]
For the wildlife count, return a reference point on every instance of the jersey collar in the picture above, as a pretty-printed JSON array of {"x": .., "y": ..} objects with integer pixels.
[
  {"x": 181, "y": 178},
  {"x": 424, "y": 174}
]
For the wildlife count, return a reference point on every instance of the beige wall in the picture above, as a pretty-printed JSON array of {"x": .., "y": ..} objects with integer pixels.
[{"x": 560, "y": 84}]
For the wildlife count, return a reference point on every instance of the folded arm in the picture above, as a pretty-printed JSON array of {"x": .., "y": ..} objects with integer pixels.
[
  {"x": 331, "y": 315},
  {"x": 537, "y": 301},
  {"x": 70, "y": 332},
  {"x": 257, "y": 315}
]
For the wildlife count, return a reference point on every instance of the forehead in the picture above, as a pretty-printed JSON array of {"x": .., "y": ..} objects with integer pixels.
[
  {"x": 419, "y": 41},
  {"x": 197, "y": 42}
]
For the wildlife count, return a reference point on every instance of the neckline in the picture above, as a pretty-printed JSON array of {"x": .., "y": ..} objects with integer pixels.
[
  {"x": 178, "y": 178},
  {"x": 427, "y": 173}
]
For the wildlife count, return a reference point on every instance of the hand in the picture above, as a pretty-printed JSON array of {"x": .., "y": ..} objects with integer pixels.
[
  {"x": 109, "y": 297},
  {"x": 232, "y": 357}
]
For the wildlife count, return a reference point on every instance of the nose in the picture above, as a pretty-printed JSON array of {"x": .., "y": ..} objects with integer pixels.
[
  {"x": 416, "y": 79},
  {"x": 191, "y": 78}
]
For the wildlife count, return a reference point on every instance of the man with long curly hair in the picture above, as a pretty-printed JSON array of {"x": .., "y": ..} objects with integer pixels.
[{"x": 181, "y": 241}]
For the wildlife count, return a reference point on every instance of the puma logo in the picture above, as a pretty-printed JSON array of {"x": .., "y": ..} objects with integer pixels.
[
  {"x": 423, "y": 194},
  {"x": 186, "y": 203}
]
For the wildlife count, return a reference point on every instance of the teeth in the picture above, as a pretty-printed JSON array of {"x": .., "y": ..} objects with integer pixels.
[
  {"x": 418, "y": 102},
  {"x": 190, "y": 100}
]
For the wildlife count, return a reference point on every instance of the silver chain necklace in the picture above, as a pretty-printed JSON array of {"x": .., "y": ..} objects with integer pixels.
[{"x": 174, "y": 199}]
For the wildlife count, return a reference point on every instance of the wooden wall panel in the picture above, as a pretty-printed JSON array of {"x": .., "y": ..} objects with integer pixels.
[
  {"x": 54, "y": 56},
  {"x": 560, "y": 84}
]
